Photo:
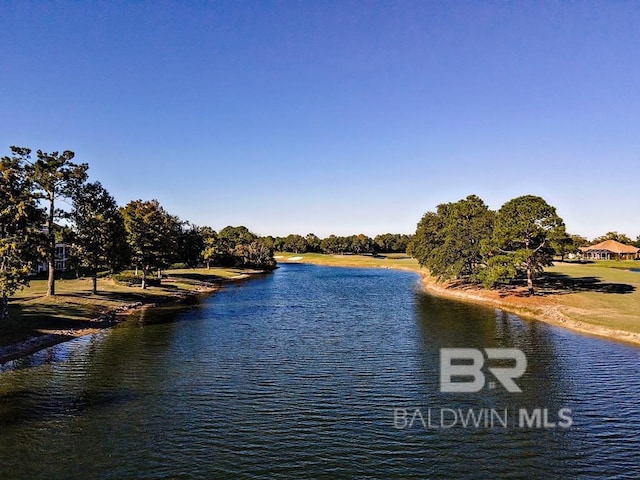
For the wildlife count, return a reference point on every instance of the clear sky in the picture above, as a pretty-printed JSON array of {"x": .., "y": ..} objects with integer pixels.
[{"x": 334, "y": 116}]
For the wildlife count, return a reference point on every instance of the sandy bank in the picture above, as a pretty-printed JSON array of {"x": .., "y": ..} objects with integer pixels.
[{"x": 540, "y": 308}]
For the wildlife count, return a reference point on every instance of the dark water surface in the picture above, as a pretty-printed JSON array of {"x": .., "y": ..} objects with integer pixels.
[{"x": 297, "y": 375}]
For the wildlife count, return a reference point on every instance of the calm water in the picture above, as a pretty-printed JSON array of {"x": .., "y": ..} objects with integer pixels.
[{"x": 297, "y": 375}]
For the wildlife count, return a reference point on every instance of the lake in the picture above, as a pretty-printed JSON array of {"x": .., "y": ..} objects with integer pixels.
[{"x": 319, "y": 372}]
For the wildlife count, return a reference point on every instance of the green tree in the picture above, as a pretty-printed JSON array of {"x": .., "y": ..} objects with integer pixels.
[
  {"x": 313, "y": 242},
  {"x": 238, "y": 247},
  {"x": 333, "y": 244},
  {"x": 391, "y": 243},
  {"x": 152, "y": 235},
  {"x": 579, "y": 241},
  {"x": 172, "y": 230},
  {"x": 524, "y": 230},
  {"x": 618, "y": 237},
  {"x": 268, "y": 241},
  {"x": 255, "y": 254},
  {"x": 427, "y": 236},
  {"x": 191, "y": 245},
  {"x": 278, "y": 244},
  {"x": 295, "y": 243},
  {"x": 55, "y": 177},
  {"x": 20, "y": 226},
  {"x": 448, "y": 241},
  {"x": 360, "y": 243},
  {"x": 229, "y": 239},
  {"x": 563, "y": 245},
  {"x": 210, "y": 251},
  {"x": 99, "y": 236},
  {"x": 236, "y": 235}
]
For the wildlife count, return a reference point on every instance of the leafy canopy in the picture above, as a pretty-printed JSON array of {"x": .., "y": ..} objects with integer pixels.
[
  {"x": 524, "y": 231},
  {"x": 99, "y": 237},
  {"x": 152, "y": 234},
  {"x": 448, "y": 241},
  {"x": 20, "y": 225}
]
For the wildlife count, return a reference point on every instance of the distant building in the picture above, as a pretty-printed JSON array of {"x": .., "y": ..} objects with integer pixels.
[
  {"x": 63, "y": 254},
  {"x": 610, "y": 250}
]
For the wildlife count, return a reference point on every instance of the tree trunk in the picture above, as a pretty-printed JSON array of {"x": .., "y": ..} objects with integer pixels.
[
  {"x": 51, "y": 286},
  {"x": 4, "y": 306},
  {"x": 144, "y": 278},
  {"x": 95, "y": 281},
  {"x": 530, "y": 281},
  {"x": 51, "y": 279}
]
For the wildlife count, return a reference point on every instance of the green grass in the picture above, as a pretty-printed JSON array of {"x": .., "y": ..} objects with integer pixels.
[
  {"x": 614, "y": 300},
  {"x": 618, "y": 264},
  {"x": 381, "y": 261},
  {"x": 213, "y": 273},
  {"x": 73, "y": 306}
]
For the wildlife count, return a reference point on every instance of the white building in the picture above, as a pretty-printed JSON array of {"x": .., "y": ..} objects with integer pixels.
[{"x": 63, "y": 254}]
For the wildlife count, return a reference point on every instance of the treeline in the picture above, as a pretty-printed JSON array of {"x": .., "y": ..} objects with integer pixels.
[
  {"x": 102, "y": 235},
  {"x": 465, "y": 240},
  {"x": 342, "y": 245},
  {"x": 618, "y": 237}
]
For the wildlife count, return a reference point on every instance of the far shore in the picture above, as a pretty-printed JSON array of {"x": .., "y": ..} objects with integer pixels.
[
  {"x": 599, "y": 301},
  {"x": 94, "y": 313}
]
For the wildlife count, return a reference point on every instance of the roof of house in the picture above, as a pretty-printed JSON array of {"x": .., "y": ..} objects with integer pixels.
[{"x": 612, "y": 246}]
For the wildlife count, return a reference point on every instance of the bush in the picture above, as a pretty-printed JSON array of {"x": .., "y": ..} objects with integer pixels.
[{"x": 131, "y": 279}]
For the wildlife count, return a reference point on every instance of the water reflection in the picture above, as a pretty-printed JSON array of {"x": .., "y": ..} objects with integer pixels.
[{"x": 297, "y": 374}]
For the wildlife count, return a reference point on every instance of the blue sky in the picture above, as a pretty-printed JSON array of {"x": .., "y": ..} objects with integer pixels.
[{"x": 334, "y": 116}]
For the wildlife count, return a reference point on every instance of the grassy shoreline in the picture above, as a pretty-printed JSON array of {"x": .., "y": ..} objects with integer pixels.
[
  {"x": 37, "y": 322},
  {"x": 600, "y": 300}
]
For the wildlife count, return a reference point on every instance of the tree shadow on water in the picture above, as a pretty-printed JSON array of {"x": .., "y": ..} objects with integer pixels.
[{"x": 31, "y": 405}]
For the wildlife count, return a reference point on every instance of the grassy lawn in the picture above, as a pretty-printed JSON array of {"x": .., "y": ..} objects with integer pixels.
[
  {"x": 618, "y": 264},
  {"x": 392, "y": 260},
  {"x": 73, "y": 306},
  {"x": 604, "y": 294}
]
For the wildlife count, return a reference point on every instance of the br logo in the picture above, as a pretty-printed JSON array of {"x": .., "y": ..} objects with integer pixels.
[{"x": 468, "y": 368}]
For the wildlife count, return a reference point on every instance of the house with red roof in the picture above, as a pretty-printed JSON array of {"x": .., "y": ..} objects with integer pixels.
[{"x": 610, "y": 250}]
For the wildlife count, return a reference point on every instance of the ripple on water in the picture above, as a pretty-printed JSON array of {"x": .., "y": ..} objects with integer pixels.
[{"x": 297, "y": 374}]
